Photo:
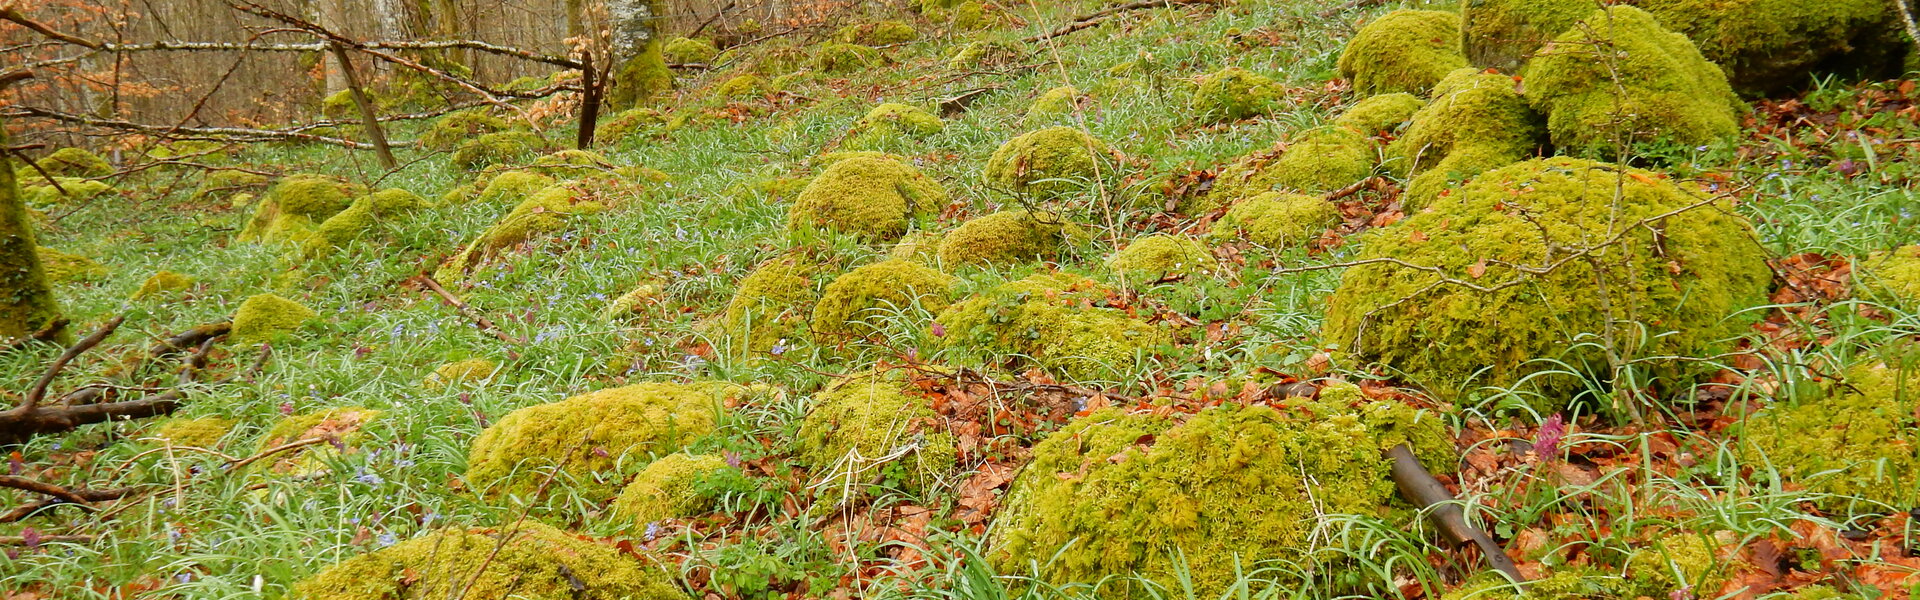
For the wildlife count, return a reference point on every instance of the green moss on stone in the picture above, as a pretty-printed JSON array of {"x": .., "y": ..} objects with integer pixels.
[
  {"x": 1890, "y": 277},
  {"x": 1403, "y": 51},
  {"x": 163, "y": 283},
  {"x": 227, "y": 184},
  {"x": 1324, "y": 160},
  {"x": 62, "y": 267},
  {"x": 774, "y": 302},
  {"x": 742, "y": 86},
  {"x": 450, "y": 131},
  {"x": 203, "y": 432},
  {"x": 1770, "y": 46},
  {"x": 921, "y": 246},
  {"x": 546, "y": 211},
  {"x": 1052, "y": 320},
  {"x": 1234, "y": 93},
  {"x": 1278, "y": 220},
  {"x": 855, "y": 425},
  {"x": 631, "y": 303},
  {"x": 1051, "y": 162},
  {"x": 1005, "y": 238},
  {"x": 1476, "y": 121},
  {"x": 1055, "y": 102},
  {"x": 527, "y": 560},
  {"x": 860, "y": 302},
  {"x": 265, "y": 317},
  {"x": 1677, "y": 563},
  {"x": 461, "y": 372},
  {"x": 1860, "y": 445},
  {"x": 509, "y": 187},
  {"x": 1652, "y": 86},
  {"x": 295, "y": 205},
  {"x": 626, "y": 123},
  {"x": 71, "y": 190},
  {"x": 366, "y": 213},
  {"x": 873, "y": 198},
  {"x": 1503, "y": 34},
  {"x": 689, "y": 51},
  {"x": 589, "y": 438},
  {"x": 74, "y": 162},
  {"x": 668, "y": 489},
  {"x": 506, "y": 147},
  {"x": 840, "y": 57},
  {"x": 893, "y": 124},
  {"x": 1565, "y": 583},
  {"x": 882, "y": 33},
  {"x": 1153, "y": 257},
  {"x": 1380, "y": 114}
]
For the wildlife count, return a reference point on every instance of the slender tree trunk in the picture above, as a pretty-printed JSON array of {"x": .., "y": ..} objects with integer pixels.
[
  {"x": 369, "y": 119},
  {"x": 26, "y": 300},
  {"x": 332, "y": 17},
  {"x": 641, "y": 72}
]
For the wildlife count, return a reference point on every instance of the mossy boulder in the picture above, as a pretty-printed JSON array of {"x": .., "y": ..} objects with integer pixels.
[
  {"x": 1115, "y": 493},
  {"x": 163, "y": 283},
  {"x": 461, "y": 372},
  {"x": 840, "y": 57},
  {"x": 870, "y": 429},
  {"x": 69, "y": 190},
  {"x": 775, "y": 302},
  {"x": 859, "y": 303},
  {"x": 1682, "y": 281},
  {"x": 225, "y": 184},
  {"x": 689, "y": 51},
  {"x": 1859, "y": 446},
  {"x": 295, "y": 205},
  {"x": 265, "y": 317},
  {"x": 1892, "y": 277},
  {"x": 1677, "y": 563},
  {"x": 546, "y": 211},
  {"x": 344, "y": 428},
  {"x": 893, "y": 124},
  {"x": 62, "y": 267},
  {"x": 1403, "y": 51},
  {"x": 873, "y": 198},
  {"x": 505, "y": 188},
  {"x": 1503, "y": 34},
  {"x": 590, "y": 438},
  {"x": 1565, "y": 583},
  {"x": 74, "y": 162},
  {"x": 364, "y": 215},
  {"x": 1054, "y": 103},
  {"x": 1380, "y": 114},
  {"x": 1653, "y": 87},
  {"x": 450, "y": 131},
  {"x": 742, "y": 86},
  {"x": 202, "y": 432},
  {"x": 1234, "y": 93},
  {"x": 1005, "y": 238},
  {"x": 1051, "y": 162},
  {"x": 525, "y": 560},
  {"x": 983, "y": 52},
  {"x": 1324, "y": 160},
  {"x": 506, "y": 147},
  {"x": 882, "y": 33},
  {"x": 1153, "y": 257},
  {"x": 1278, "y": 220},
  {"x": 626, "y": 124},
  {"x": 669, "y": 489},
  {"x": 1477, "y": 121},
  {"x": 1772, "y": 46},
  {"x": 1053, "y": 320}
]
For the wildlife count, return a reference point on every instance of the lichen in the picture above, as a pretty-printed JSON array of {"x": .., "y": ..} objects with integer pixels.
[
  {"x": 840, "y": 57},
  {"x": 1859, "y": 447},
  {"x": 682, "y": 50},
  {"x": 859, "y": 303},
  {"x": 162, "y": 283},
  {"x": 1503, "y": 34},
  {"x": 203, "y": 432},
  {"x": 1051, "y": 162},
  {"x": 74, "y": 162},
  {"x": 461, "y": 372},
  {"x": 589, "y": 438},
  {"x": 626, "y": 123},
  {"x": 1651, "y": 86},
  {"x": 1278, "y": 220},
  {"x": 1157, "y": 256},
  {"x": 882, "y": 33},
  {"x": 1892, "y": 277},
  {"x": 1052, "y": 320},
  {"x": 1403, "y": 51},
  {"x": 873, "y": 198},
  {"x": 1054, "y": 103},
  {"x": 295, "y": 205},
  {"x": 265, "y": 317},
  {"x": 366, "y": 213},
  {"x": 1116, "y": 494},
  {"x": 893, "y": 124},
  {"x": 1683, "y": 288},
  {"x": 1234, "y": 93},
  {"x": 869, "y": 430},
  {"x": 1770, "y": 46},
  {"x": 774, "y": 302},
  {"x": 450, "y": 131},
  {"x": 1380, "y": 114},
  {"x": 666, "y": 489},
  {"x": 1676, "y": 563},
  {"x": 62, "y": 267},
  {"x": 506, "y": 147},
  {"x": 525, "y": 560},
  {"x": 1477, "y": 121},
  {"x": 1005, "y": 238}
]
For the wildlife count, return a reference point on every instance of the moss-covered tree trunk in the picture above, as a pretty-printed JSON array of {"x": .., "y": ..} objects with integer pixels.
[
  {"x": 26, "y": 301},
  {"x": 640, "y": 72}
]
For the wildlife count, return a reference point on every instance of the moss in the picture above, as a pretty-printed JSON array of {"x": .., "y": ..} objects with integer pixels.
[
  {"x": 839, "y": 57},
  {"x": 227, "y": 184},
  {"x": 883, "y": 33},
  {"x": 344, "y": 428},
  {"x": 461, "y": 372},
  {"x": 1770, "y": 46},
  {"x": 264, "y": 317},
  {"x": 626, "y": 123},
  {"x": 1503, "y": 34},
  {"x": 689, "y": 51},
  {"x": 630, "y": 303},
  {"x": 526, "y": 560},
  {"x": 1116, "y": 494},
  {"x": 1683, "y": 291},
  {"x": 572, "y": 164},
  {"x": 62, "y": 267},
  {"x": 1403, "y": 51},
  {"x": 982, "y": 52},
  {"x": 774, "y": 302},
  {"x": 1890, "y": 277},
  {"x": 858, "y": 303},
  {"x": 1055, "y": 102},
  {"x": 971, "y": 14},
  {"x": 873, "y": 198},
  {"x": 892, "y": 124},
  {"x": 1324, "y": 160},
  {"x": 742, "y": 86},
  {"x": 666, "y": 489},
  {"x": 545, "y": 211},
  {"x": 203, "y": 432},
  {"x": 1565, "y": 583},
  {"x": 1052, "y": 320},
  {"x": 855, "y": 425},
  {"x": 74, "y": 162},
  {"x": 1005, "y": 238},
  {"x": 163, "y": 283},
  {"x": 1278, "y": 220},
  {"x": 1657, "y": 89},
  {"x": 1382, "y": 113},
  {"x": 1153, "y": 257},
  {"x": 642, "y": 77},
  {"x": 511, "y": 187},
  {"x": 589, "y": 438},
  {"x": 27, "y": 303},
  {"x": 1234, "y": 93},
  {"x": 295, "y": 205},
  {"x": 450, "y": 131},
  {"x": 70, "y": 191},
  {"x": 1859, "y": 446},
  {"x": 1476, "y": 121},
  {"x": 1051, "y": 162},
  {"x": 1670, "y": 565},
  {"x": 505, "y": 147},
  {"x": 366, "y": 213},
  {"x": 920, "y": 246}
]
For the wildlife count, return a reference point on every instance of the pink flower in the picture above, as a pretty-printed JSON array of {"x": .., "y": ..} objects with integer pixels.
[
  {"x": 939, "y": 330},
  {"x": 1547, "y": 442}
]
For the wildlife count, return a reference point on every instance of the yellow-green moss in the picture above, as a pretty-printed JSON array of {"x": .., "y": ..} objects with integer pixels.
[
  {"x": 1324, "y": 160},
  {"x": 27, "y": 303},
  {"x": 1382, "y": 113},
  {"x": 573, "y": 164},
  {"x": 883, "y": 33},
  {"x": 893, "y": 124},
  {"x": 982, "y": 52},
  {"x": 74, "y": 162},
  {"x": 264, "y": 317},
  {"x": 1153, "y": 257},
  {"x": 1565, "y": 583},
  {"x": 527, "y": 560},
  {"x": 1403, "y": 51},
  {"x": 1682, "y": 561},
  {"x": 461, "y": 372},
  {"x": 774, "y": 302},
  {"x": 742, "y": 86},
  {"x": 857, "y": 304},
  {"x": 1652, "y": 86},
  {"x": 689, "y": 51},
  {"x": 1234, "y": 93},
  {"x": 1050, "y": 320},
  {"x": 1503, "y": 34},
  {"x": 1117, "y": 494},
  {"x": 971, "y": 14},
  {"x": 644, "y": 76},
  {"x": 1005, "y": 238},
  {"x": 162, "y": 283},
  {"x": 1055, "y": 161},
  {"x": 1769, "y": 46},
  {"x": 873, "y": 198},
  {"x": 62, "y": 267},
  {"x": 295, "y": 205},
  {"x": 1476, "y": 121},
  {"x": 228, "y": 184},
  {"x": 71, "y": 190},
  {"x": 450, "y": 131},
  {"x": 1278, "y": 219},
  {"x": 343, "y": 428},
  {"x": 591, "y": 438},
  {"x": 506, "y": 147},
  {"x": 626, "y": 123},
  {"x": 366, "y": 213},
  {"x": 1890, "y": 277},
  {"x": 839, "y": 57},
  {"x": 1860, "y": 445},
  {"x": 510, "y": 187},
  {"x": 861, "y": 421},
  {"x": 665, "y": 489},
  {"x": 921, "y": 246},
  {"x": 203, "y": 432},
  {"x": 1054, "y": 103},
  {"x": 546, "y": 211},
  {"x": 630, "y": 303},
  {"x": 1681, "y": 292}
]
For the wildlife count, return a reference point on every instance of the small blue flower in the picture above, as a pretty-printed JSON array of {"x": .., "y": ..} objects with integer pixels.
[
  {"x": 653, "y": 529},
  {"x": 779, "y": 347},
  {"x": 385, "y": 539}
]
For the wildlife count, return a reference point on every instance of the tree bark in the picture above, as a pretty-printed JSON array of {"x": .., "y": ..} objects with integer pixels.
[
  {"x": 641, "y": 72},
  {"x": 368, "y": 118},
  {"x": 330, "y": 16},
  {"x": 27, "y": 303}
]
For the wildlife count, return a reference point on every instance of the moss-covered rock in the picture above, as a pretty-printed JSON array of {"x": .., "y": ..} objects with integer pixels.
[
  {"x": 1860, "y": 445},
  {"x": 882, "y": 33},
  {"x": 223, "y": 185},
  {"x": 860, "y": 302},
  {"x": 1682, "y": 288},
  {"x": 295, "y": 205},
  {"x": 573, "y": 164},
  {"x": 1653, "y": 87},
  {"x": 1051, "y": 162},
  {"x": 202, "y": 432},
  {"x": 1278, "y": 220},
  {"x": 1503, "y": 34},
  {"x": 591, "y": 438},
  {"x": 62, "y": 267},
  {"x": 873, "y": 198},
  {"x": 506, "y": 147},
  {"x": 893, "y": 124},
  {"x": 1053, "y": 320},
  {"x": 1676, "y": 563},
  {"x": 526, "y": 560},
  {"x": 633, "y": 301},
  {"x": 626, "y": 124},
  {"x": 461, "y": 372},
  {"x": 668, "y": 489},
  {"x": 1476, "y": 121},
  {"x": 545, "y": 211},
  {"x": 344, "y": 429},
  {"x": 1157, "y": 256},
  {"x": 972, "y": 14},
  {"x": 1892, "y": 277},
  {"x": 983, "y": 52},
  {"x": 689, "y": 51},
  {"x": 1324, "y": 160},
  {"x": 505, "y": 188},
  {"x": 870, "y": 429},
  {"x": 775, "y": 302},
  {"x": 742, "y": 86},
  {"x": 1005, "y": 238},
  {"x": 264, "y": 317},
  {"x": 1565, "y": 583},
  {"x": 1113, "y": 494},
  {"x": 1403, "y": 51},
  {"x": 70, "y": 190},
  {"x": 1234, "y": 93},
  {"x": 840, "y": 57},
  {"x": 1053, "y": 103},
  {"x": 163, "y": 283},
  {"x": 450, "y": 131},
  {"x": 1771, "y": 46},
  {"x": 365, "y": 214},
  {"x": 1379, "y": 114},
  {"x": 74, "y": 162},
  {"x": 920, "y": 246}
]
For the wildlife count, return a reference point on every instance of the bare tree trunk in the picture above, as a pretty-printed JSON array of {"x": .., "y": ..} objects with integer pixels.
[
  {"x": 330, "y": 16},
  {"x": 368, "y": 118},
  {"x": 26, "y": 301}
]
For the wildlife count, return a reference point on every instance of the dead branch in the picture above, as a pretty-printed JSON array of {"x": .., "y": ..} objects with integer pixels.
[
  {"x": 39, "y": 390},
  {"x": 1091, "y": 19},
  {"x": 1419, "y": 486},
  {"x": 46, "y": 334},
  {"x": 86, "y": 498},
  {"x": 237, "y": 134},
  {"x": 1353, "y": 189},
  {"x": 20, "y": 540},
  {"x": 81, "y": 406},
  {"x": 466, "y": 310}
]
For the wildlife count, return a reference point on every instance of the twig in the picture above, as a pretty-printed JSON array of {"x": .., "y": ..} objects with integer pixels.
[
  {"x": 39, "y": 391},
  {"x": 1424, "y": 491},
  {"x": 17, "y": 540},
  {"x": 1353, "y": 189},
  {"x": 479, "y": 320},
  {"x": 1089, "y": 20},
  {"x": 45, "y": 334}
]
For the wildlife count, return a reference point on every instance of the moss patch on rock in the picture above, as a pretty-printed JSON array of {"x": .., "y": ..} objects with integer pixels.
[
  {"x": 1053, "y": 320},
  {"x": 365, "y": 214},
  {"x": 1324, "y": 160},
  {"x": 266, "y": 317},
  {"x": 1054, "y": 103},
  {"x": 682, "y": 50},
  {"x": 881, "y": 33},
  {"x": 162, "y": 283},
  {"x": 774, "y": 302},
  {"x": 1476, "y": 121},
  {"x": 1771, "y": 46},
  {"x": 524, "y": 560},
  {"x": 1653, "y": 87},
  {"x": 74, "y": 162},
  {"x": 1005, "y": 238},
  {"x": 626, "y": 124},
  {"x": 506, "y": 147},
  {"x": 450, "y": 131},
  {"x": 1234, "y": 93},
  {"x": 295, "y": 205},
  {"x": 873, "y": 198},
  {"x": 546, "y": 211},
  {"x": 1403, "y": 51},
  {"x": 461, "y": 372},
  {"x": 1859, "y": 445},
  {"x": 1675, "y": 563},
  {"x": 1278, "y": 220},
  {"x": 742, "y": 86},
  {"x": 203, "y": 432},
  {"x": 1503, "y": 34},
  {"x": 854, "y": 426},
  {"x": 669, "y": 489},
  {"x": 589, "y": 438},
  {"x": 1153, "y": 257},
  {"x": 70, "y": 190},
  {"x": 1380, "y": 114},
  {"x": 893, "y": 124},
  {"x": 1051, "y": 162},
  {"x": 1892, "y": 277},
  {"x": 860, "y": 302},
  {"x": 62, "y": 267},
  {"x": 840, "y": 57}
]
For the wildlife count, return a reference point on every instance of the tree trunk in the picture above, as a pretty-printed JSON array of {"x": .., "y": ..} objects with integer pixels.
[
  {"x": 369, "y": 118},
  {"x": 26, "y": 301},
  {"x": 641, "y": 73},
  {"x": 332, "y": 17}
]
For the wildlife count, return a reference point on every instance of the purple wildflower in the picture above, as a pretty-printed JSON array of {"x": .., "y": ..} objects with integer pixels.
[{"x": 1547, "y": 442}]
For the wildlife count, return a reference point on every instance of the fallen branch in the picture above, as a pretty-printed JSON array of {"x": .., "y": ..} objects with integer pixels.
[
  {"x": 467, "y": 310},
  {"x": 1353, "y": 189},
  {"x": 85, "y": 498},
  {"x": 39, "y": 390},
  {"x": 46, "y": 334},
  {"x": 19, "y": 540},
  {"x": 1431, "y": 497},
  {"x": 80, "y": 406},
  {"x": 1091, "y": 19}
]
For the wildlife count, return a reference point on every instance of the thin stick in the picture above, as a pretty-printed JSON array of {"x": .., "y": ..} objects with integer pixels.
[
  {"x": 467, "y": 310},
  {"x": 39, "y": 390}
]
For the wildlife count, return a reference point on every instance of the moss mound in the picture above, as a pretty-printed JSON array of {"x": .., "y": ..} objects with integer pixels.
[
  {"x": 62, "y": 267},
  {"x": 1403, "y": 51},
  {"x": 74, "y": 162},
  {"x": 587, "y": 437},
  {"x": 1669, "y": 565},
  {"x": 546, "y": 211},
  {"x": 1004, "y": 238},
  {"x": 873, "y": 198},
  {"x": 162, "y": 283},
  {"x": 631, "y": 303},
  {"x": 860, "y": 302},
  {"x": 774, "y": 302},
  {"x": 1476, "y": 121},
  {"x": 526, "y": 560},
  {"x": 1234, "y": 93},
  {"x": 1278, "y": 219},
  {"x": 1860, "y": 444},
  {"x": 294, "y": 205},
  {"x": 1563, "y": 584},
  {"x": 71, "y": 190},
  {"x": 1770, "y": 46},
  {"x": 1683, "y": 289},
  {"x": 505, "y": 147},
  {"x": 668, "y": 489},
  {"x": 627, "y": 123},
  {"x": 1158, "y": 256},
  {"x": 689, "y": 51},
  {"x": 893, "y": 124},
  {"x": 1054, "y": 103},
  {"x": 1051, "y": 162},
  {"x": 866, "y": 430},
  {"x": 450, "y": 131},
  {"x": 203, "y": 432},
  {"x": 1114, "y": 493},
  {"x": 1053, "y": 320},
  {"x": 342, "y": 427},
  {"x": 1324, "y": 160},
  {"x": 1890, "y": 277},
  {"x": 264, "y": 317},
  {"x": 742, "y": 86},
  {"x": 461, "y": 372},
  {"x": 1503, "y": 34},
  {"x": 881, "y": 33},
  {"x": 509, "y": 187},
  {"x": 840, "y": 57},
  {"x": 1380, "y": 114},
  {"x": 1664, "y": 91},
  {"x": 225, "y": 185},
  {"x": 365, "y": 214}
]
